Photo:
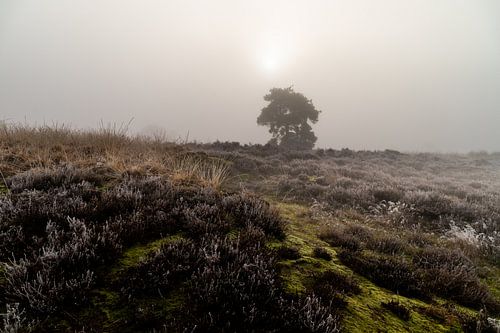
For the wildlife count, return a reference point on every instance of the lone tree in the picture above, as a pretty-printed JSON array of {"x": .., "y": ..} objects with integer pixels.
[{"x": 287, "y": 116}]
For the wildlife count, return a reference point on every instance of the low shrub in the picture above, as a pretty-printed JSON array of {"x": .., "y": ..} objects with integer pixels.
[
  {"x": 452, "y": 275},
  {"x": 340, "y": 238},
  {"x": 419, "y": 239},
  {"x": 288, "y": 253},
  {"x": 330, "y": 283},
  {"x": 46, "y": 179},
  {"x": 387, "y": 194},
  {"x": 248, "y": 210},
  {"x": 322, "y": 253},
  {"x": 162, "y": 270},
  {"x": 386, "y": 244},
  {"x": 398, "y": 309},
  {"x": 442, "y": 272},
  {"x": 361, "y": 233},
  {"x": 392, "y": 273}
]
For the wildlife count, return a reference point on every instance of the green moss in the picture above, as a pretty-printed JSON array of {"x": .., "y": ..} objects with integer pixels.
[
  {"x": 135, "y": 254},
  {"x": 366, "y": 314}
]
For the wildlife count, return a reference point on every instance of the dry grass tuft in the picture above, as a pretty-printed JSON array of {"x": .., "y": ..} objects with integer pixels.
[{"x": 209, "y": 171}]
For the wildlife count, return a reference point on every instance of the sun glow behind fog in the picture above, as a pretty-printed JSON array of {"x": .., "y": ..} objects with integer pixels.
[
  {"x": 277, "y": 54},
  {"x": 271, "y": 60}
]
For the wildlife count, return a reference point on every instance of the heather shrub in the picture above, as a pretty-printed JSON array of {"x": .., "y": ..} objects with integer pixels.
[
  {"x": 387, "y": 194},
  {"x": 398, "y": 213},
  {"x": 438, "y": 271},
  {"x": 24, "y": 216},
  {"x": 419, "y": 239},
  {"x": 452, "y": 275},
  {"x": 288, "y": 253},
  {"x": 359, "y": 231},
  {"x": 331, "y": 286},
  {"x": 433, "y": 258},
  {"x": 42, "y": 291},
  {"x": 309, "y": 314},
  {"x": 349, "y": 237},
  {"x": 389, "y": 272},
  {"x": 357, "y": 197},
  {"x": 386, "y": 244},
  {"x": 247, "y": 210},
  {"x": 251, "y": 236},
  {"x": 322, "y": 253},
  {"x": 162, "y": 270},
  {"x": 45, "y": 179},
  {"x": 232, "y": 288},
  {"x": 398, "y": 309},
  {"x": 61, "y": 274},
  {"x": 436, "y": 312},
  {"x": 433, "y": 205},
  {"x": 336, "y": 236},
  {"x": 300, "y": 190},
  {"x": 290, "y": 154}
]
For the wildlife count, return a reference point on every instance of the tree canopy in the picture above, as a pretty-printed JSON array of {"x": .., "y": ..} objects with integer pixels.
[{"x": 288, "y": 115}]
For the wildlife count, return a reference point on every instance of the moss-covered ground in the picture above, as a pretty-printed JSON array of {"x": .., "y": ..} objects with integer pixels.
[{"x": 364, "y": 312}]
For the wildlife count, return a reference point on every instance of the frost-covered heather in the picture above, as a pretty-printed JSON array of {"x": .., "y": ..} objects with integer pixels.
[
  {"x": 60, "y": 231},
  {"x": 420, "y": 191}
]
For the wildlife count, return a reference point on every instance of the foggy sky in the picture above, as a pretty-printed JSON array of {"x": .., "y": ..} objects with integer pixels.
[{"x": 413, "y": 75}]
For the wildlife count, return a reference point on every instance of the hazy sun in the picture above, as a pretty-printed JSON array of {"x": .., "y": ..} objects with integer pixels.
[
  {"x": 275, "y": 52},
  {"x": 272, "y": 60}
]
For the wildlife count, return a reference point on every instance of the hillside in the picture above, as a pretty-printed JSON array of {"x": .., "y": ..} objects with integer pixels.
[{"x": 101, "y": 232}]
